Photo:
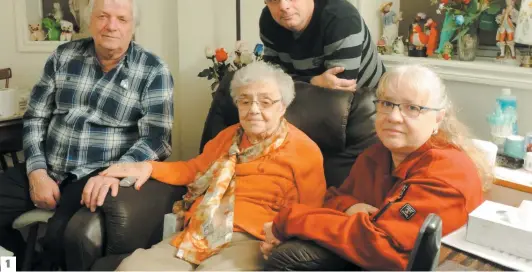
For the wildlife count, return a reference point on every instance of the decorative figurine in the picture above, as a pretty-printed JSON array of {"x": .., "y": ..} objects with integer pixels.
[
  {"x": 505, "y": 33},
  {"x": 418, "y": 38},
  {"x": 382, "y": 46},
  {"x": 398, "y": 47},
  {"x": 433, "y": 34},
  {"x": 447, "y": 51},
  {"x": 390, "y": 22}
]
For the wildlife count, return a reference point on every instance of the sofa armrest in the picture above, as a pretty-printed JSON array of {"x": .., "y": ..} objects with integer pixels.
[
  {"x": 134, "y": 219},
  {"x": 303, "y": 255},
  {"x": 83, "y": 240}
]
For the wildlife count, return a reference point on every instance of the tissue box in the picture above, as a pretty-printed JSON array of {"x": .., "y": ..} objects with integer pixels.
[{"x": 502, "y": 227}]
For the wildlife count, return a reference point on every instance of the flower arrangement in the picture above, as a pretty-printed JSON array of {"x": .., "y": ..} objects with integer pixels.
[
  {"x": 464, "y": 16},
  {"x": 221, "y": 63}
]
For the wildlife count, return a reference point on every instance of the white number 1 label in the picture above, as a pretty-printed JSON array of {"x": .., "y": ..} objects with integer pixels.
[{"x": 8, "y": 264}]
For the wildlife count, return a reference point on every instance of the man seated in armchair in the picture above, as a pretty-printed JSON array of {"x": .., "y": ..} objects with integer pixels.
[{"x": 99, "y": 101}]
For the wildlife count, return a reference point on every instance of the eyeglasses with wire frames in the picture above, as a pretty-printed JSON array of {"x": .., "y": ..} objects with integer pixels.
[
  {"x": 263, "y": 103},
  {"x": 406, "y": 109}
]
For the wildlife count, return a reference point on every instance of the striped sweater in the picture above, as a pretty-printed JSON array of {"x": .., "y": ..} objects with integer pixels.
[{"x": 336, "y": 36}]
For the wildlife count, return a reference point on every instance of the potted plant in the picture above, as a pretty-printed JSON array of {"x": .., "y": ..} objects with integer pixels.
[{"x": 463, "y": 20}]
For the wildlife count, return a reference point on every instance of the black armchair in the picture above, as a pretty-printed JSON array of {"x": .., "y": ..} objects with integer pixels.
[
  {"x": 341, "y": 123},
  {"x": 299, "y": 255},
  {"x": 131, "y": 220}
]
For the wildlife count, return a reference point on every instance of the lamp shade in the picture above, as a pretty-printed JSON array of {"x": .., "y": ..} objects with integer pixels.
[{"x": 523, "y": 32}]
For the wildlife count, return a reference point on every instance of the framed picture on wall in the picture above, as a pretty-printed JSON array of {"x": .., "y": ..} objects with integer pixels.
[
  {"x": 68, "y": 16},
  {"x": 42, "y": 25}
]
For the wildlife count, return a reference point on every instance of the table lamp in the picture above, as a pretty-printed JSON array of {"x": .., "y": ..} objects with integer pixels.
[{"x": 523, "y": 32}]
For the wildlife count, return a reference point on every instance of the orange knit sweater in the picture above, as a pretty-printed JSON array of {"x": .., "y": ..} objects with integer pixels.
[{"x": 293, "y": 173}]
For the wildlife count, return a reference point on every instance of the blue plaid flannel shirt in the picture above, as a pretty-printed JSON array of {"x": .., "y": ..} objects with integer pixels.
[{"x": 80, "y": 119}]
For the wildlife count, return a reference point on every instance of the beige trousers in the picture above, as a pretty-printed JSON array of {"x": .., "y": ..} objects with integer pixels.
[{"x": 242, "y": 254}]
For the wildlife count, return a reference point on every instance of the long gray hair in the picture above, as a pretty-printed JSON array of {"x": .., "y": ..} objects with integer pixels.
[{"x": 451, "y": 130}]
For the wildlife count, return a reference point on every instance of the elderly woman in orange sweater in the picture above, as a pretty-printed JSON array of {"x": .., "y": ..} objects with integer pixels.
[
  {"x": 424, "y": 163},
  {"x": 243, "y": 177}
]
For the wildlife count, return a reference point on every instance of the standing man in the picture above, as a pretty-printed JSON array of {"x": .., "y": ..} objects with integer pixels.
[
  {"x": 99, "y": 101},
  {"x": 324, "y": 42}
]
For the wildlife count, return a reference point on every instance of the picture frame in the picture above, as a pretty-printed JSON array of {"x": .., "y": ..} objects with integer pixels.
[{"x": 33, "y": 11}]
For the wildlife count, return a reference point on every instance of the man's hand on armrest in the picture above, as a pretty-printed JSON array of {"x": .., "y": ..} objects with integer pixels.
[{"x": 330, "y": 80}]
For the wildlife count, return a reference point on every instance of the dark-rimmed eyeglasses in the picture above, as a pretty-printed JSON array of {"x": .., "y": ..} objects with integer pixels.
[{"x": 406, "y": 109}]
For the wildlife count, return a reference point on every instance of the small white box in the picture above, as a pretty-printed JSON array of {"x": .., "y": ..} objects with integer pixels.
[{"x": 502, "y": 227}]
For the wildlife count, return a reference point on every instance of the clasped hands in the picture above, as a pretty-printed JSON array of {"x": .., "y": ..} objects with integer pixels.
[{"x": 270, "y": 241}]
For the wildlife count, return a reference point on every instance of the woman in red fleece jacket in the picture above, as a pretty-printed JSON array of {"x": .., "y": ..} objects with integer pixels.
[{"x": 424, "y": 163}]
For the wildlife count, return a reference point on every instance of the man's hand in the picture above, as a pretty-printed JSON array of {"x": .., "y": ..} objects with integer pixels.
[
  {"x": 271, "y": 242},
  {"x": 44, "y": 191},
  {"x": 96, "y": 190},
  {"x": 329, "y": 80},
  {"x": 361, "y": 207}
]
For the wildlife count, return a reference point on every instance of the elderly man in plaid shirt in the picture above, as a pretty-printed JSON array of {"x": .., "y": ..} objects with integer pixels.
[{"x": 99, "y": 101}]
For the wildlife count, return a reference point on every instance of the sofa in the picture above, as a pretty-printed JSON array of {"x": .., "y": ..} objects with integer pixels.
[{"x": 341, "y": 123}]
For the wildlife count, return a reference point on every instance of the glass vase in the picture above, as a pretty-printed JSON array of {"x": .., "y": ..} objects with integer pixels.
[{"x": 467, "y": 47}]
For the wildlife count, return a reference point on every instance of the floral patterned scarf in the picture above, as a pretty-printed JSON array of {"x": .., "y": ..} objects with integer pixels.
[{"x": 211, "y": 226}]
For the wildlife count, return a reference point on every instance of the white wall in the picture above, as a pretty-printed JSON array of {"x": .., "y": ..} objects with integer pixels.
[
  {"x": 26, "y": 67},
  {"x": 178, "y": 31},
  {"x": 475, "y": 101}
]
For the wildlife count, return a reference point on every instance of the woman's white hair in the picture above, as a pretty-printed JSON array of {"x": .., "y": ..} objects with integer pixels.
[
  {"x": 134, "y": 4},
  {"x": 451, "y": 130},
  {"x": 260, "y": 71}
]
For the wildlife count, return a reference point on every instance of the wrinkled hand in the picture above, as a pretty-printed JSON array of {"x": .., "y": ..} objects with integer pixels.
[
  {"x": 271, "y": 241},
  {"x": 96, "y": 190},
  {"x": 329, "y": 80},
  {"x": 140, "y": 170},
  {"x": 44, "y": 191},
  {"x": 361, "y": 207}
]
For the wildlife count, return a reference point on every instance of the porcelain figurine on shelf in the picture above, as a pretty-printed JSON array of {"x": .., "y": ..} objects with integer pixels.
[
  {"x": 506, "y": 30},
  {"x": 382, "y": 46},
  {"x": 398, "y": 47},
  {"x": 447, "y": 51},
  {"x": 433, "y": 35},
  {"x": 390, "y": 22},
  {"x": 418, "y": 38}
]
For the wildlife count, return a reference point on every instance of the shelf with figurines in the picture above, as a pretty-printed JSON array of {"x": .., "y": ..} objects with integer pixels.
[
  {"x": 459, "y": 36},
  {"x": 42, "y": 25}
]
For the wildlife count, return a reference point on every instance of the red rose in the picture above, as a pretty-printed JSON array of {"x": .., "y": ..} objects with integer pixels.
[
  {"x": 467, "y": 2},
  {"x": 446, "y": 56},
  {"x": 221, "y": 55},
  {"x": 445, "y": 2}
]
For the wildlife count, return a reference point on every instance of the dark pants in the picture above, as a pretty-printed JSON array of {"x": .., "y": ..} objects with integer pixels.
[{"x": 15, "y": 200}]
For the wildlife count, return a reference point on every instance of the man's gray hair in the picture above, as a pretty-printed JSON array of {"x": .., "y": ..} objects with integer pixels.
[
  {"x": 135, "y": 6},
  {"x": 260, "y": 71}
]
